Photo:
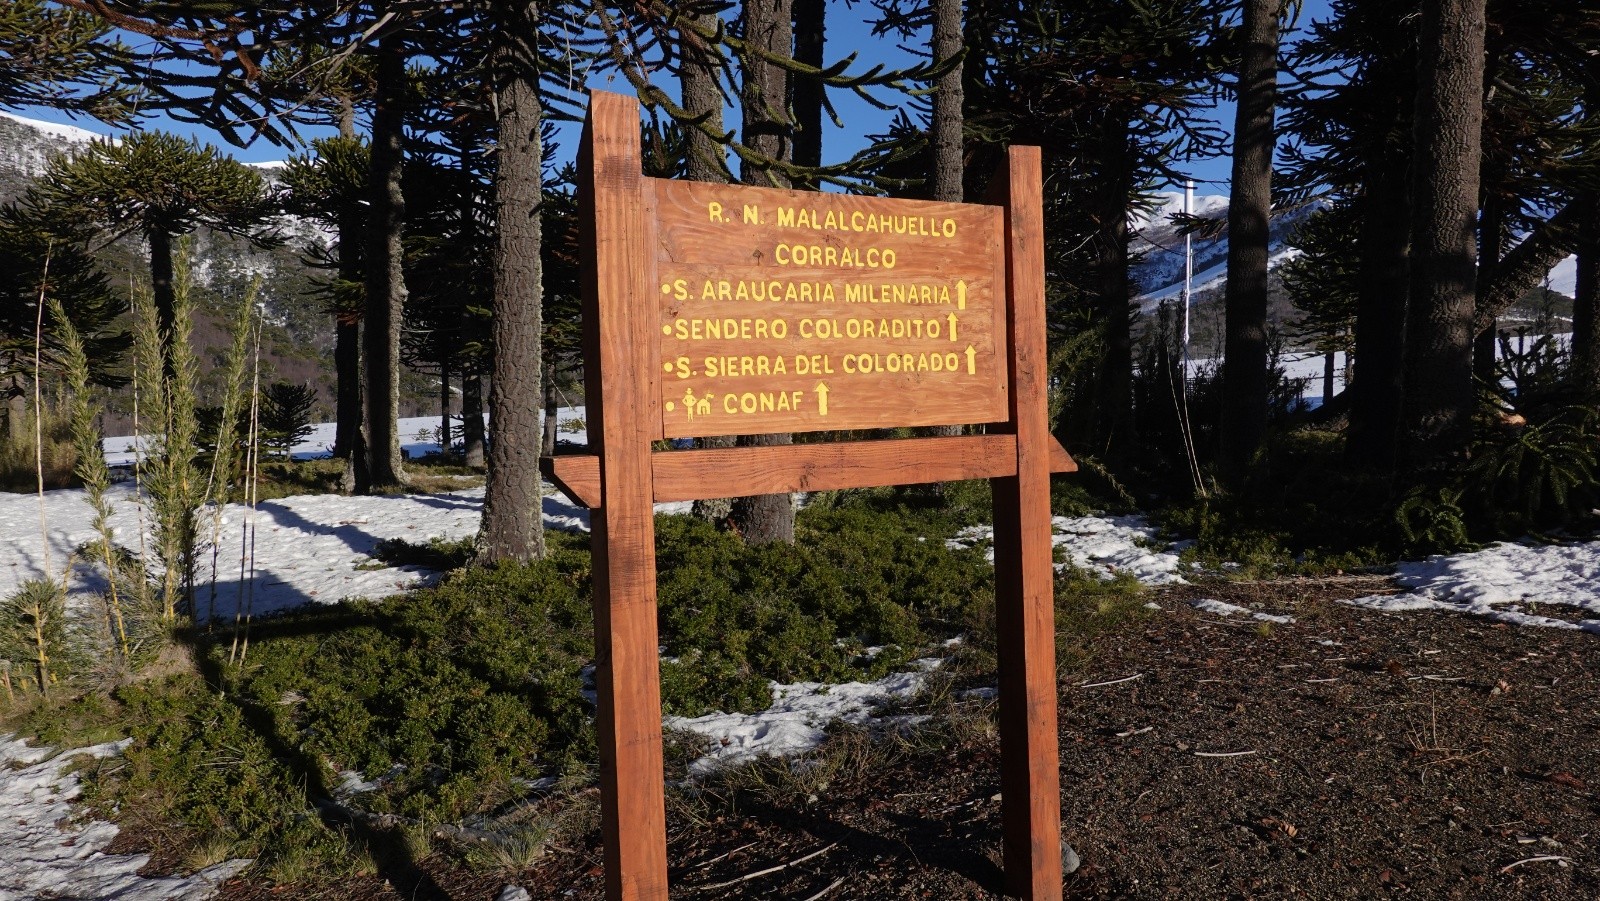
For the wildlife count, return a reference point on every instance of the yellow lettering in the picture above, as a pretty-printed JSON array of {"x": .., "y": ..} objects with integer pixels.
[
  {"x": 752, "y": 214},
  {"x": 715, "y": 209},
  {"x": 786, "y": 217}
]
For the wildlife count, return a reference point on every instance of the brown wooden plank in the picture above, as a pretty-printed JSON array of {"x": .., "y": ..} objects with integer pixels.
[
  {"x": 793, "y": 311},
  {"x": 746, "y": 471},
  {"x": 623, "y": 418},
  {"x": 575, "y": 475},
  {"x": 743, "y": 471},
  {"x": 1030, "y": 775},
  {"x": 1060, "y": 460}
]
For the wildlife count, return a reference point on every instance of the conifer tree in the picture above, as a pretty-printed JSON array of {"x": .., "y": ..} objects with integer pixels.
[
  {"x": 62, "y": 58},
  {"x": 159, "y": 186},
  {"x": 1245, "y": 383},
  {"x": 329, "y": 185}
]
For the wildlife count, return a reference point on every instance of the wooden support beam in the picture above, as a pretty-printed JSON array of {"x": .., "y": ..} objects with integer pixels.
[
  {"x": 688, "y": 475},
  {"x": 1030, "y": 764},
  {"x": 622, "y": 397}
]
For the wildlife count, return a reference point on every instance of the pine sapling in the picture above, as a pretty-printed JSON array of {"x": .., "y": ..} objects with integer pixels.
[{"x": 92, "y": 469}]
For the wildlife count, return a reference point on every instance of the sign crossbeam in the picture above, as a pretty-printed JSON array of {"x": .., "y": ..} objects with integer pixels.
[{"x": 722, "y": 310}]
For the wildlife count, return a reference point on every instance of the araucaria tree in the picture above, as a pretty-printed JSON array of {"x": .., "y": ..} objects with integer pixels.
[
  {"x": 1439, "y": 394},
  {"x": 1244, "y": 376},
  {"x": 159, "y": 186}
]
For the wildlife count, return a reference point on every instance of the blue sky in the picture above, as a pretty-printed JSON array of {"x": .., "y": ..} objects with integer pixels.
[{"x": 846, "y": 33}]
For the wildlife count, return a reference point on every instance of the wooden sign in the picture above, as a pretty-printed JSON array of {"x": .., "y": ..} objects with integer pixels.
[
  {"x": 936, "y": 317},
  {"x": 792, "y": 311}
]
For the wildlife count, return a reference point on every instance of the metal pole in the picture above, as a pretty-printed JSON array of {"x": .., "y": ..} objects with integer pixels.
[{"x": 1188, "y": 272}]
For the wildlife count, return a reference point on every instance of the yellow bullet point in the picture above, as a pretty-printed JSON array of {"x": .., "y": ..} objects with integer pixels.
[
  {"x": 666, "y": 367},
  {"x": 671, "y": 406},
  {"x": 666, "y": 289},
  {"x": 666, "y": 330}
]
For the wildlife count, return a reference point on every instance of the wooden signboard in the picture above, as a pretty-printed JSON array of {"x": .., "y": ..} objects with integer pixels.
[
  {"x": 793, "y": 311},
  {"x": 718, "y": 310}
]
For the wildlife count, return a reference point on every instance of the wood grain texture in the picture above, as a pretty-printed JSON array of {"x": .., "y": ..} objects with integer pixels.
[
  {"x": 694, "y": 474},
  {"x": 621, "y": 391},
  {"x": 799, "y": 311},
  {"x": 1030, "y": 775}
]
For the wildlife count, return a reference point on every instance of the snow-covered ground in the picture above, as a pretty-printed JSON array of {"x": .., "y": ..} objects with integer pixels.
[
  {"x": 1506, "y": 582},
  {"x": 1107, "y": 546},
  {"x": 46, "y": 851},
  {"x": 798, "y": 718}
]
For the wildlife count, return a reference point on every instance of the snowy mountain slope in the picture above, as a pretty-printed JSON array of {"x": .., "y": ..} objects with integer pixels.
[{"x": 1160, "y": 272}]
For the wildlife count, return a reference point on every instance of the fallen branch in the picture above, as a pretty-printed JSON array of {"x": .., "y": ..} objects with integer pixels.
[
  {"x": 1112, "y": 682},
  {"x": 1132, "y": 732},
  {"x": 835, "y": 884},
  {"x": 769, "y": 870},
  {"x": 1543, "y": 857},
  {"x": 1223, "y": 753},
  {"x": 723, "y": 856}
]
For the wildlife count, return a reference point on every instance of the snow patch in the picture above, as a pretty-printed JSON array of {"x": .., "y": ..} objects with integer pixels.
[
  {"x": 1222, "y": 608},
  {"x": 798, "y": 718},
  {"x": 1504, "y": 582},
  {"x": 46, "y": 853},
  {"x": 1107, "y": 546}
]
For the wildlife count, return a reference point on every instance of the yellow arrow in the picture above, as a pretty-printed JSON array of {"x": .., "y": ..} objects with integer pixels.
[
  {"x": 961, "y": 295},
  {"x": 972, "y": 361},
  {"x": 822, "y": 398},
  {"x": 952, "y": 326}
]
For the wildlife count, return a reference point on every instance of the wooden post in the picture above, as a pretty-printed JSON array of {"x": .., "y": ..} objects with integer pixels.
[
  {"x": 623, "y": 418},
  {"x": 1030, "y": 774}
]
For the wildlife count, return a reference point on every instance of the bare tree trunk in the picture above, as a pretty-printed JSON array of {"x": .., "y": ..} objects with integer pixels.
[
  {"x": 513, "y": 524},
  {"x": 347, "y": 346},
  {"x": 1491, "y": 247},
  {"x": 1245, "y": 382},
  {"x": 769, "y": 25},
  {"x": 472, "y": 420},
  {"x": 703, "y": 97},
  {"x": 1586, "y": 302},
  {"x": 948, "y": 121},
  {"x": 810, "y": 26},
  {"x": 1384, "y": 284},
  {"x": 444, "y": 409},
  {"x": 548, "y": 443},
  {"x": 162, "y": 292},
  {"x": 1329, "y": 367},
  {"x": 386, "y": 285},
  {"x": 1114, "y": 402},
  {"x": 1439, "y": 395}
]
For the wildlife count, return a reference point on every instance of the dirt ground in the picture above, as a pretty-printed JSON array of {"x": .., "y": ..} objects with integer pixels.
[{"x": 1346, "y": 754}]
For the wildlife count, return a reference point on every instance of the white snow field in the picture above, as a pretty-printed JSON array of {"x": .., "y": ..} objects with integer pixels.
[
  {"x": 1505, "y": 582},
  {"x": 46, "y": 852}
]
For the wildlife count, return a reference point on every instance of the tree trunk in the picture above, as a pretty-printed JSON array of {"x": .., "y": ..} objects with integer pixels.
[
  {"x": 347, "y": 347},
  {"x": 551, "y": 406},
  {"x": 513, "y": 524},
  {"x": 945, "y": 126},
  {"x": 810, "y": 23},
  {"x": 1245, "y": 382},
  {"x": 1114, "y": 403},
  {"x": 444, "y": 410},
  {"x": 768, "y": 25},
  {"x": 472, "y": 420},
  {"x": 703, "y": 97},
  {"x": 386, "y": 286},
  {"x": 163, "y": 293},
  {"x": 1384, "y": 246},
  {"x": 1586, "y": 301},
  {"x": 1329, "y": 366},
  {"x": 1491, "y": 247},
  {"x": 1439, "y": 395}
]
